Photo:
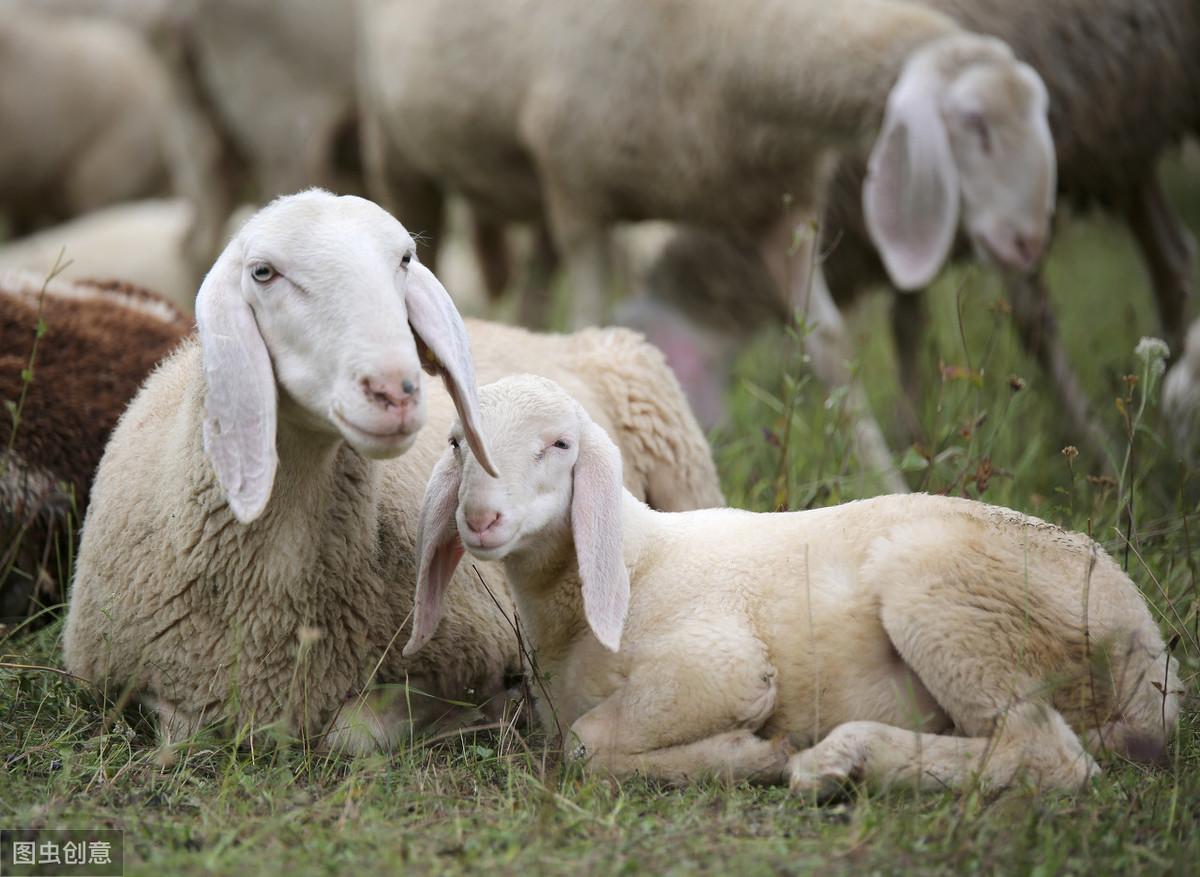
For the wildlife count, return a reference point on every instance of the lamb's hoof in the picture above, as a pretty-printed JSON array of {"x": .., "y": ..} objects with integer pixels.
[{"x": 812, "y": 780}]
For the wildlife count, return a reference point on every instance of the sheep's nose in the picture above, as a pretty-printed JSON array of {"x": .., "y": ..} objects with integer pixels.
[
  {"x": 1029, "y": 248},
  {"x": 389, "y": 391},
  {"x": 482, "y": 520}
]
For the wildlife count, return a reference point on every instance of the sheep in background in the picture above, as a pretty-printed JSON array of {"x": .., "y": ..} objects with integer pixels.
[
  {"x": 101, "y": 341},
  {"x": 248, "y": 554},
  {"x": 1124, "y": 84},
  {"x": 711, "y": 114},
  {"x": 96, "y": 128},
  {"x": 143, "y": 243},
  {"x": 704, "y": 643},
  {"x": 1181, "y": 396}
]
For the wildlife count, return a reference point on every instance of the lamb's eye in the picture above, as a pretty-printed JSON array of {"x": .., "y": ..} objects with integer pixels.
[
  {"x": 454, "y": 443},
  {"x": 262, "y": 273},
  {"x": 405, "y": 259},
  {"x": 561, "y": 445}
]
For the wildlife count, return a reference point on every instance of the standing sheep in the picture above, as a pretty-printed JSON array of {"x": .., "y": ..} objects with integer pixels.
[
  {"x": 1124, "y": 84},
  {"x": 717, "y": 115},
  {"x": 706, "y": 642},
  {"x": 100, "y": 342},
  {"x": 1181, "y": 396},
  {"x": 248, "y": 554}
]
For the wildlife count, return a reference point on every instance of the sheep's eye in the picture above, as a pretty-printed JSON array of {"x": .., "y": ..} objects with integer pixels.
[
  {"x": 262, "y": 273},
  {"x": 561, "y": 445},
  {"x": 979, "y": 126},
  {"x": 454, "y": 442},
  {"x": 405, "y": 259}
]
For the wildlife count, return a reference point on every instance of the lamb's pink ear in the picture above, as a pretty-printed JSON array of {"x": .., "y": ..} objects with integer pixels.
[
  {"x": 239, "y": 399},
  {"x": 438, "y": 551},
  {"x": 596, "y": 526},
  {"x": 438, "y": 325},
  {"x": 911, "y": 196}
]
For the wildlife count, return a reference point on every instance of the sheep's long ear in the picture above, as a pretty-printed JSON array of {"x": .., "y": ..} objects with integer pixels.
[
  {"x": 239, "y": 400},
  {"x": 911, "y": 196},
  {"x": 596, "y": 526},
  {"x": 438, "y": 325},
  {"x": 438, "y": 551}
]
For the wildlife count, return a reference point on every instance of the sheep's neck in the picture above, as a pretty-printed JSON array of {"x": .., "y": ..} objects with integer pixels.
[{"x": 547, "y": 587}]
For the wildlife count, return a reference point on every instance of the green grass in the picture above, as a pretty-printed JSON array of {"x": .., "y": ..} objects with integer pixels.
[{"x": 504, "y": 806}]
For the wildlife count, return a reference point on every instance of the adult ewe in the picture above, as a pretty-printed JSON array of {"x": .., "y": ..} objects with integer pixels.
[
  {"x": 99, "y": 343},
  {"x": 704, "y": 642},
  {"x": 1124, "y": 83},
  {"x": 248, "y": 556},
  {"x": 715, "y": 114}
]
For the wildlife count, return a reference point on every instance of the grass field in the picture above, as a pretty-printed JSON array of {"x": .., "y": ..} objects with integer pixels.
[{"x": 500, "y": 804}]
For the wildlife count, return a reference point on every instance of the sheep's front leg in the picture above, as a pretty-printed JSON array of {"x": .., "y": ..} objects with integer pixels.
[
  {"x": 1169, "y": 252},
  {"x": 384, "y": 718},
  {"x": 678, "y": 721}
]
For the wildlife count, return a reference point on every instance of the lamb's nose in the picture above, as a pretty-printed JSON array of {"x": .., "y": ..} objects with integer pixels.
[
  {"x": 388, "y": 392},
  {"x": 482, "y": 520}
]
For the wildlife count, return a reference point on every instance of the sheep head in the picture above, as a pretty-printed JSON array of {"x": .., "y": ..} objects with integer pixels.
[
  {"x": 561, "y": 486},
  {"x": 965, "y": 126},
  {"x": 319, "y": 302}
]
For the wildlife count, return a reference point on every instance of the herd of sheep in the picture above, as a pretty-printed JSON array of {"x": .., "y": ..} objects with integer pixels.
[{"x": 274, "y": 524}]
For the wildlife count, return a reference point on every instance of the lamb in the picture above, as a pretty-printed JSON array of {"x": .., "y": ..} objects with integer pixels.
[
  {"x": 1124, "y": 84},
  {"x": 734, "y": 110},
  {"x": 100, "y": 342},
  {"x": 247, "y": 558},
  {"x": 709, "y": 642},
  {"x": 1181, "y": 396}
]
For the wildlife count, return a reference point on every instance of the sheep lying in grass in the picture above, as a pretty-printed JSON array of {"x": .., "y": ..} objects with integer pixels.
[
  {"x": 697, "y": 643},
  {"x": 248, "y": 555},
  {"x": 100, "y": 342}
]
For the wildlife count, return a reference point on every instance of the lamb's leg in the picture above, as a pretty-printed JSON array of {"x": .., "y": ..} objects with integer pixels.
[
  {"x": 1038, "y": 331},
  {"x": 1030, "y": 741},
  {"x": 984, "y": 659},
  {"x": 1169, "y": 252},
  {"x": 679, "y": 719}
]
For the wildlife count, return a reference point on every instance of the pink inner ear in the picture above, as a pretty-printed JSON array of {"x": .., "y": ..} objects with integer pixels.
[{"x": 439, "y": 551}]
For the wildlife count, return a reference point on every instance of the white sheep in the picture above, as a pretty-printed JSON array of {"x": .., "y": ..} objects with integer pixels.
[
  {"x": 708, "y": 642},
  {"x": 718, "y": 115},
  {"x": 141, "y": 242},
  {"x": 1181, "y": 396},
  {"x": 248, "y": 553}
]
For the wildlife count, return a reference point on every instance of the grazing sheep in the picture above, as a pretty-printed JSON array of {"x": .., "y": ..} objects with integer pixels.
[
  {"x": 716, "y": 115},
  {"x": 705, "y": 642},
  {"x": 248, "y": 556},
  {"x": 1124, "y": 84},
  {"x": 100, "y": 342},
  {"x": 1181, "y": 396}
]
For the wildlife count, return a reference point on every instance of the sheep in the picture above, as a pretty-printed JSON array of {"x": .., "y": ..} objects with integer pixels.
[
  {"x": 1124, "y": 84},
  {"x": 97, "y": 129},
  {"x": 247, "y": 558},
  {"x": 141, "y": 242},
  {"x": 1181, "y": 396},
  {"x": 100, "y": 341},
  {"x": 710, "y": 642},
  {"x": 710, "y": 114}
]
